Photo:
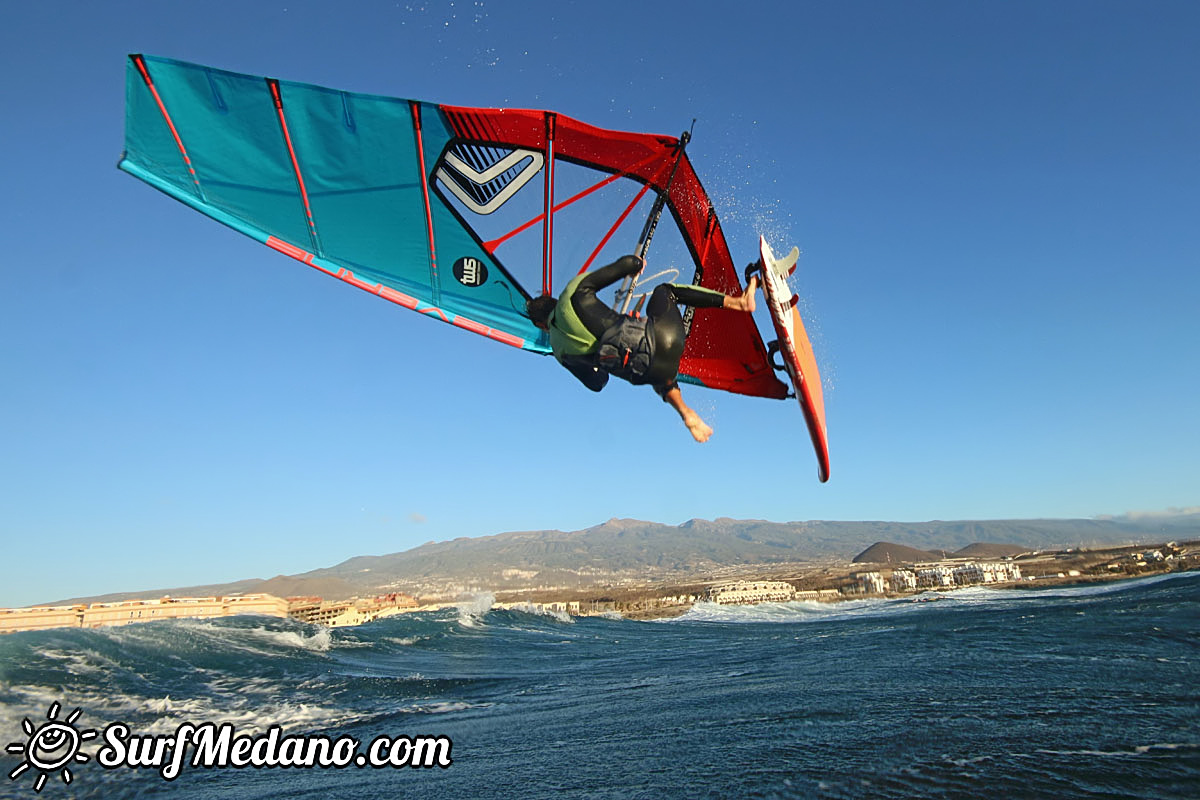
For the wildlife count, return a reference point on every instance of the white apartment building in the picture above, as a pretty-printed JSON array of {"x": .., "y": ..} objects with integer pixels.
[
  {"x": 903, "y": 580},
  {"x": 751, "y": 592},
  {"x": 935, "y": 577},
  {"x": 871, "y": 582}
]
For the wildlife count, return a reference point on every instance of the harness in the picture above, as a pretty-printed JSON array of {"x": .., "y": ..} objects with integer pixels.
[{"x": 626, "y": 350}]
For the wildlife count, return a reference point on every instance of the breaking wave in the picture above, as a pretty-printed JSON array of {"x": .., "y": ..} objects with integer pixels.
[{"x": 1084, "y": 691}]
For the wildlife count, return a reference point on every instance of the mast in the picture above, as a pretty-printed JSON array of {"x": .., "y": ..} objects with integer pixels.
[{"x": 625, "y": 293}]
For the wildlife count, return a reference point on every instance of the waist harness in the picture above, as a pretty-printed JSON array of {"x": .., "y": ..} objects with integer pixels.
[{"x": 627, "y": 350}]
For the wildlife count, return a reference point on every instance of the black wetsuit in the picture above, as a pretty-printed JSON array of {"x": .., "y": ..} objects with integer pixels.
[{"x": 664, "y": 323}]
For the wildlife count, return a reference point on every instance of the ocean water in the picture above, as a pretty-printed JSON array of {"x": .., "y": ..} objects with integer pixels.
[{"x": 1084, "y": 692}]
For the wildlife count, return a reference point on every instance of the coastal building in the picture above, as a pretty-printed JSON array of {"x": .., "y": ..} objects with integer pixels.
[
  {"x": 751, "y": 592},
  {"x": 571, "y": 607},
  {"x": 904, "y": 580},
  {"x": 125, "y": 612},
  {"x": 871, "y": 582},
  {"x": 40, "y": 618},
  {"x": 820, "y": 595},
  {"x": 971, "y": 574},
  {"x": 935, "y": 577},
  {"x": 340, "y": 613},
  {"x": 130, "y": 611}
]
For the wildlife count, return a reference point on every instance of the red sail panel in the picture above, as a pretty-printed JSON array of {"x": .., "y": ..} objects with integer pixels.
[{"x": 724, "y": 351}]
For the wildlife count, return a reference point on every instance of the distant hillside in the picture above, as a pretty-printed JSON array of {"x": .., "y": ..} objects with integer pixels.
[
  {"x": 890, "y": 553},
  {"x": 237, "y": 587},
  {"x": 990, "y": 550},
  {"x": 625, "y": 550}
]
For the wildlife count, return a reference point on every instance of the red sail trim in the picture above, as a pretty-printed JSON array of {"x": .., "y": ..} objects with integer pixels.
[
  {"x": 491, "y": 333},
  {"x": 295, "y": 252},
  {"x": 464, "y": 123},
  {"x": 434, "y": 311},
  {"x": 390, "y": 294},
  {"x": 140, "y": 63},
  {"x": 612, "y": 151},
  {"x": 287, "y": 138}
]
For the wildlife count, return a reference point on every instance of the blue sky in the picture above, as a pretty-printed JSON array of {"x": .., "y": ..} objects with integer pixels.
[{"x": 996, "y": 201}]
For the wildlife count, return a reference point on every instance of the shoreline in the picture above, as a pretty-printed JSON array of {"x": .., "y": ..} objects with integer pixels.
[
  {"x": 649, "y": 604},
  {"x": 1027, "y": 586},
  {"x": 661, "y": 599}
]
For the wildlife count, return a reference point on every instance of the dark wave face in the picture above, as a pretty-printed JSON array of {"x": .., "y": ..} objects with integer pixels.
[{"x": 1084, "y": 692}]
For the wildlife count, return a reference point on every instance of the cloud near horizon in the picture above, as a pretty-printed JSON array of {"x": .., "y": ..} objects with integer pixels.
[{"x": 1173, "y": 511}]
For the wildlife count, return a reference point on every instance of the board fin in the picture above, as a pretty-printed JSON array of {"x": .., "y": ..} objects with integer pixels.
[{"x": 787, "y": 265}]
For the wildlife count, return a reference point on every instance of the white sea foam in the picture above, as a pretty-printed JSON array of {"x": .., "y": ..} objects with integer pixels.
[
  {"x": 792, "y": 612},
  {"x": 260, "y": 640},
  {"x": 31, "y": 702},
  {"x": 404, "y": 640},
  {"x": 208, "y": 634},
  {"x": 529, "y": 608},
  {"x": 81, "y": 662},
  {"x": 1132, "y": 752},
  {"x": 251, "y": 705},
  {"x": 319, "y": 642},
  {"x": 444, "y": 707},
  {"x": 248, "y": 717},
  {"x": 1111, "y": 587},
  {"x": 472, "y": 611}
]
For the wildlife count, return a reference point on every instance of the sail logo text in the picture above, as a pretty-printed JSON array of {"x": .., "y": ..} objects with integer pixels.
[
  {"x": 54, "y": 747},
  {"x": 217, "y": 746},
  {"x": 470, "y": 271}
]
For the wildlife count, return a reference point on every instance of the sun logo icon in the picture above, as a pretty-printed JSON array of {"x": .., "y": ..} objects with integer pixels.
[{"x": 50, "y": 747}]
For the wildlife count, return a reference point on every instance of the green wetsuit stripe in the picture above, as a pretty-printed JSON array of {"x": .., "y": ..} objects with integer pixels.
[{"x": 568, "y": 335}]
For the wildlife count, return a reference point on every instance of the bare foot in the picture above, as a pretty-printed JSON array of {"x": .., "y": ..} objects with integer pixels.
[
  {"x": 699, "y": 429},
  {"x": 746, "y": 301}
]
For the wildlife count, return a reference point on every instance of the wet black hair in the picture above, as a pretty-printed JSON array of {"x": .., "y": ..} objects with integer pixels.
[{"x": 540, "y": 308}]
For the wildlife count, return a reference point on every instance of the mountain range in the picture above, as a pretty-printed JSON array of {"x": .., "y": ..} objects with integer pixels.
[{"x": 628, "y": 551}]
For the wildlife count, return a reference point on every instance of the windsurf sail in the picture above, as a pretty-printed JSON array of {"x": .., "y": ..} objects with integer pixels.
[{"x": 458, "y": 213}]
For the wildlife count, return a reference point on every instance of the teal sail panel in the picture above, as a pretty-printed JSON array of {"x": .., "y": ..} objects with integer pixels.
[{"x": 338, "y": 180}]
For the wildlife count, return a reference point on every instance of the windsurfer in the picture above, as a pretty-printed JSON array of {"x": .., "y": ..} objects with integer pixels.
[{"x": 593, "y": 341}]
